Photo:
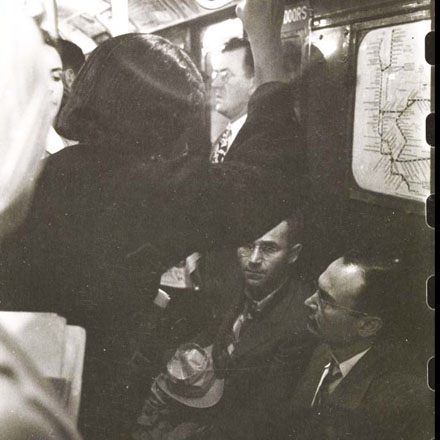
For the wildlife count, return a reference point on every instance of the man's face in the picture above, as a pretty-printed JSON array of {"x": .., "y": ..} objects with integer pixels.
[
  {"x": 331, "y": 315},
  {"x": 232, "y": 87},
  {"x": 265, "y": 262},
  {"x": 56, "y": 86}
]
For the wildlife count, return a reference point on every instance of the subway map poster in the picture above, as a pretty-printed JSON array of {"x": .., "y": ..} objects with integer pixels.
[{"x": 393, "y": 98}]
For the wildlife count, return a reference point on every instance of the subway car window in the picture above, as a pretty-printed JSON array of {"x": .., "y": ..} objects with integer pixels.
[{"x": 214, "y": 220}]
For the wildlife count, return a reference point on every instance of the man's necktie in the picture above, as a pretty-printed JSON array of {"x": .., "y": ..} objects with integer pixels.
[
  {"x": 222, "y": 146},
  {"x": 334, "y": 374}
]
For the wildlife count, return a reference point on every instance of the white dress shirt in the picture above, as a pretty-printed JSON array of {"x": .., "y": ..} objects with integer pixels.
[{"x": 54, "y": 142}]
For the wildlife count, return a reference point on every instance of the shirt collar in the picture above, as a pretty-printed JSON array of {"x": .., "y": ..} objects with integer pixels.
[
  {"x": 346, "y": 366},
  {"x": 259, "y": 306},
  {"x": 54, "y": 142}
]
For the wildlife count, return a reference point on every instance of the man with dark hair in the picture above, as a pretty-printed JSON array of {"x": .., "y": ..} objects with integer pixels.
[
  {"x": 267, "y": 311},
  {"x": 233, "y": 84},
  {"x": 362, "y": 381}
]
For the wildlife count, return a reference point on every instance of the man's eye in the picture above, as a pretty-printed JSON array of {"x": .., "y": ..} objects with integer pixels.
[
  {"x": 247, "y": 247},
  {"x": 56, "y": 76},
  {"x": 270, "y": 249}
]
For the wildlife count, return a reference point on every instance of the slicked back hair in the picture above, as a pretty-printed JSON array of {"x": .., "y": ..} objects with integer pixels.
[
  {"x": 385, "y": 283},
  {"x": 71, "y": 55},
  {"x": 241, "y": 43}
]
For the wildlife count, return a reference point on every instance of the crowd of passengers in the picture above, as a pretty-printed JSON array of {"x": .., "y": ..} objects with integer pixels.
[{"x": 180, "y": 256}]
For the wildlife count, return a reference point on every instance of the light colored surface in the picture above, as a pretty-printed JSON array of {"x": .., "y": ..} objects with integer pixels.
[
  {"x": 390, "y": 153},
  {"x": 89, "y": 22},
  {"x": 41, "y": 335},
  {"x": 24, "y": 98},
  {"x": 56, "y": 349},
  {"x": 73, "y": 367}
]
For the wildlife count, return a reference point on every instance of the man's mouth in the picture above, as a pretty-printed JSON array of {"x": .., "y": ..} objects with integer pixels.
[{"x": 252, "y": 274}]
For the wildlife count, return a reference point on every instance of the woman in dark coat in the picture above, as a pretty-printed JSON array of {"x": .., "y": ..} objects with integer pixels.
[{"x": 135, "y": 197}]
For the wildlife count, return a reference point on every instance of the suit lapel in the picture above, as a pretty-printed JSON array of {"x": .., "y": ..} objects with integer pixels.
[
  {"x": 242, "y": 136},
  {"x": 308, "y": 384},
  {"x": 351, "y": 391}
]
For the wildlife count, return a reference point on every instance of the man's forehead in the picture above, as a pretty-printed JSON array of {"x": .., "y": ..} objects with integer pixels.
[
  {"x": 54, "y": 60},
  {"x": 342, "y": 279},
  {"x": 231, "y": 60},
  {"x": 278, "y": 234}
]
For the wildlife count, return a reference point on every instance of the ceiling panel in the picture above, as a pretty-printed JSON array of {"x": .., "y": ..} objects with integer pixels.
[{"x": 89, "y": 22}]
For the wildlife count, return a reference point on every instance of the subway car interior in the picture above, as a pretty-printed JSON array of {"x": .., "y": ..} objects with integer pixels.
[{"x": 224, "y": 228}]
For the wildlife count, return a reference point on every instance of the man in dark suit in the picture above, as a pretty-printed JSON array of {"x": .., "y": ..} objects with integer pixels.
[
  {"x": 361, "y": 382},
  {"x": 268, "y": 310}
]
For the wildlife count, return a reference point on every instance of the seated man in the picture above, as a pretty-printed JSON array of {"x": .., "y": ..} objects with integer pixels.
[
  {"x": 267, "y": 311},
  {"x": 361, "y": 383}
]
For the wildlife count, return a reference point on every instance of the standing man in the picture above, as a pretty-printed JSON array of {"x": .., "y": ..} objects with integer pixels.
[
  {"x": 233, "y": 84},
  {"x": 362, "y": 382}
]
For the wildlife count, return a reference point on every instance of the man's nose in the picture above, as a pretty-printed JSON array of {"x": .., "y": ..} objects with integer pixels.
[
  {"x": 311, "y": 302},
  {"x": 256, "y": 256},
  {"x": 217, "y": 83}
]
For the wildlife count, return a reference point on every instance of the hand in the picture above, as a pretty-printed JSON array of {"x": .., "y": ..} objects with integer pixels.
[
  {"x": 261, "y": 18},
  {"x": 221, "y": 361}
]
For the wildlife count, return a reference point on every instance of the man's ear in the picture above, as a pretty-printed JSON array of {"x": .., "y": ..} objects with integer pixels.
[
  {"x": 69, "y": 77},
  {"x": 294, "y": 252},
  {"x": 368, "y": 326}
]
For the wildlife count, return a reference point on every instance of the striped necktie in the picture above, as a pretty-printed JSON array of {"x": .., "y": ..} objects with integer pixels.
[{"x": 222, "y": 146}]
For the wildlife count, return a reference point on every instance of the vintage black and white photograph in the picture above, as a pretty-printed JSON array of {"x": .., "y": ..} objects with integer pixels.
[{"x": 217, "y": 219}]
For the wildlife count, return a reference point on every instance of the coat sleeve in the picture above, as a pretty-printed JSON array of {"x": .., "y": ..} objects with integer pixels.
[
  {"x": 265, "y": 180},
  {"x": 240, "y": 199}
]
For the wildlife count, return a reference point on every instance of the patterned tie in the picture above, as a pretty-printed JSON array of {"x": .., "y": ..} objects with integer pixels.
[
  {"x": 334, "y": 374},
  {"x": 222, "y": 146}
]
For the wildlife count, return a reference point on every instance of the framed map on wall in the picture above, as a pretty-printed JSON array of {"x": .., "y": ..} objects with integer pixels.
[{"x": 390, "y": 154}]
